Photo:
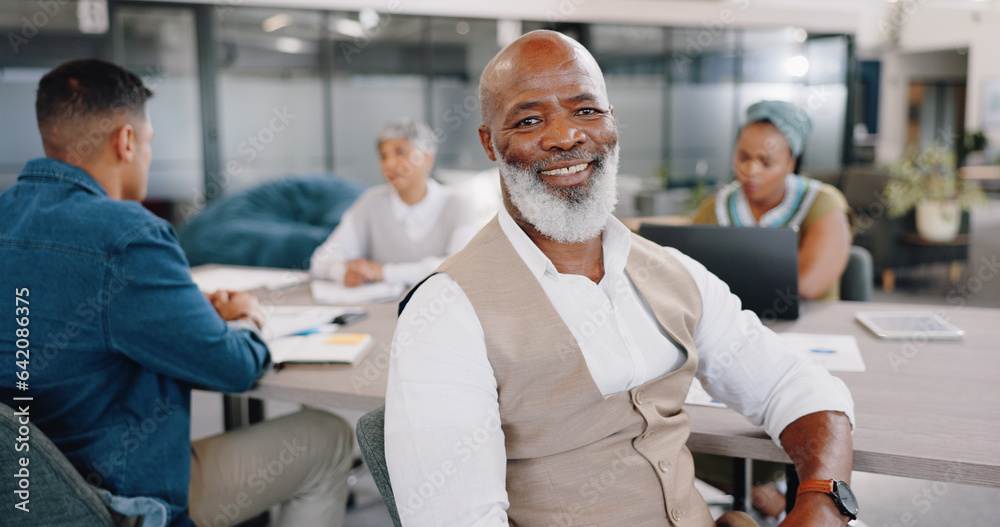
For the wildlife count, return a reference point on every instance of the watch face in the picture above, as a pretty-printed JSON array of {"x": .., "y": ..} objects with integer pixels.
[{"x": 846, "y": 497}]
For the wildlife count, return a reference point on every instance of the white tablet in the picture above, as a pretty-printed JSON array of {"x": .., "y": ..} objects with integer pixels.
[{"x": 908, "y": 325}]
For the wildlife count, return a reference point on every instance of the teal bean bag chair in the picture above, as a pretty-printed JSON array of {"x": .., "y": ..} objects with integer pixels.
[{"x": 277, "y": 224}]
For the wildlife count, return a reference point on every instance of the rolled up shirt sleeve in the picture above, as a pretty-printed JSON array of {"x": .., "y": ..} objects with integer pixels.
[{"x": 751, "y": 369}]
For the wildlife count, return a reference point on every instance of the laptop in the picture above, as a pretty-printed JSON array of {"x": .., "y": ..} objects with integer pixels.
[{"x": 760, "y": 265}]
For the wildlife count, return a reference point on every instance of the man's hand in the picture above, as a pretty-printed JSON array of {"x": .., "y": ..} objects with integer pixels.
[
  {"x": 362, "y": 271},
  {"x": 821, "y": 447},
  {"x": 234, "y": 305}
]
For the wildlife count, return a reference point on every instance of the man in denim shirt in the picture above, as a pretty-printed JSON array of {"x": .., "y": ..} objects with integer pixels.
[{"x": 119, "y": 333}]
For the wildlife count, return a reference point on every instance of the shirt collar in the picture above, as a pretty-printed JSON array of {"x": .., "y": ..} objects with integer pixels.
[
  {"x": 430, "y": 202},
  {"x": 50, "y": 168},
  {"x": 615, "y": 243}
]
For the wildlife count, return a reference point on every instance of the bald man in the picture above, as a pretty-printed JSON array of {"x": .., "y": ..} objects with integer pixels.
[{"x": 539, "y": 377}]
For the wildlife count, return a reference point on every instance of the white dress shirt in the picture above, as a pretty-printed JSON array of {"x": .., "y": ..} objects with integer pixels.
[
  {"x": 444, "y": 446},
  {"x": 347, "y": 243}
]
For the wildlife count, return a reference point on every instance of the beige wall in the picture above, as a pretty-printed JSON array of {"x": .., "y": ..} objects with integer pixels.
[{"x": 938, "y": 43}]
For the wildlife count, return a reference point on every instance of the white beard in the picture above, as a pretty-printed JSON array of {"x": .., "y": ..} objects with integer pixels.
[{"x": 565, "y": 215}]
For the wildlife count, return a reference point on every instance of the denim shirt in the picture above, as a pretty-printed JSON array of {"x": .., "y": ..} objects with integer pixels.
[{"x": 118, "y": 333}]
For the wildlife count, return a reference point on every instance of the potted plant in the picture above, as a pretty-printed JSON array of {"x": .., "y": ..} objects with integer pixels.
[{"x": 926, "y": 180}]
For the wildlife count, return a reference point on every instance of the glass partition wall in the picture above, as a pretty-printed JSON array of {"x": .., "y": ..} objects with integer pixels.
[
  {"x": 304, "y": 91},
  {"x": 270, "y": 94}
]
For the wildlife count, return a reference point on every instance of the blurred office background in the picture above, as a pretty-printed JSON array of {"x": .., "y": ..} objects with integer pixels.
[
  {"x": 680, "y": 75},
  {"x": 250, "y": 91}
]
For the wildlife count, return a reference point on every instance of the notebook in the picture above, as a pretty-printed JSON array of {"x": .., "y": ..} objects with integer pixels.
[
  {"x": 320, "y": 348},
  {"x": 760, "y": 265}
]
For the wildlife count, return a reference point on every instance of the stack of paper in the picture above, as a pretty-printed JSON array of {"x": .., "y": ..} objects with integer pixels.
[
  {"x": 229, "y": 279},
  {"x": 833, "y": 352},
  {"x": 326, "y": 292},
  {"x": 283, "y": 321}
]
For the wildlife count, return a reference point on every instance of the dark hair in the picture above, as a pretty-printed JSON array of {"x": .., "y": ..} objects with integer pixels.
[{"x": 83, "y": 89}]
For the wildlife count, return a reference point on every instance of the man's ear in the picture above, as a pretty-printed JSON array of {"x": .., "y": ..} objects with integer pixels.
[
  {"x": 123, "y": 142},
  {"x": 486, "y": 138}
]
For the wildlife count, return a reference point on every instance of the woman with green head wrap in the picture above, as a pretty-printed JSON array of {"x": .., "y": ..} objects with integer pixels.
[{"x": 768, "y": 193}]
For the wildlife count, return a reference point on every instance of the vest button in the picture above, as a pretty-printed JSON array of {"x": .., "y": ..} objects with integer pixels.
[
  {"x": 665, "y": 465},
  {"x": 676, "y": 514},
  {"x": 638, "y": 398}
]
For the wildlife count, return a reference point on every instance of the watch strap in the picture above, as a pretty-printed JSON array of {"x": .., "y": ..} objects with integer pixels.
[{"x": 816, "y": 485}]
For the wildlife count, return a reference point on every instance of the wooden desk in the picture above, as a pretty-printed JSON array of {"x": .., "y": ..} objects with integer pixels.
[
  {"x": 360, "y": 386},
  {"x": 634, "y": 223},
  {"x": 924, "y": 410}
]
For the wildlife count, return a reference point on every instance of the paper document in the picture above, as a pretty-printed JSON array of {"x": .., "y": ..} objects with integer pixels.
[
  {"x": 320, "y": 348},
  {"x": 833, "y": 352},
  {"x": 230, "y": 279},
  {"x": 326, "y": 292},
  {"x": 698, "y": 396},
  {"x": 284, "y": 321}
]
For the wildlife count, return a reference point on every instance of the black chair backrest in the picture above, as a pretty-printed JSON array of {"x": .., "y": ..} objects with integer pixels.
[{"x": 857, "y": 282}]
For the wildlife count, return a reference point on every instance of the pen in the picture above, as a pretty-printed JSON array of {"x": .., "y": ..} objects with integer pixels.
[{"x": 822, "y": 351}]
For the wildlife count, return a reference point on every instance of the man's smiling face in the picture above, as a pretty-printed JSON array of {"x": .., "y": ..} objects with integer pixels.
[{"x": 552, "y": 129}]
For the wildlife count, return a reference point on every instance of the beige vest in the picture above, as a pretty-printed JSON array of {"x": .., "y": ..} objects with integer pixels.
[{"x": 574, "y": 457}]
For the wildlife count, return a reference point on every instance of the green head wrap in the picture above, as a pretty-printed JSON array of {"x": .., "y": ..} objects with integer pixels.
[{"x": 793, "y": 122}]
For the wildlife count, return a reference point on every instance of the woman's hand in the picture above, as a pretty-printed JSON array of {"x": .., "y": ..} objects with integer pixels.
[{"x": 362, "y": 271}]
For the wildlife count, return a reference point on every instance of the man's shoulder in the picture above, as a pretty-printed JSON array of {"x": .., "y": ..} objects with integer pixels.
[
  {"x": 116, "y": 223},
  {"x": 76, "y": 219},
  {"x": 482, "y": 248}
]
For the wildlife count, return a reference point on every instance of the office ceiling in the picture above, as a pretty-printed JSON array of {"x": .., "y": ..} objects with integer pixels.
[{"x": 829, "y": 15}]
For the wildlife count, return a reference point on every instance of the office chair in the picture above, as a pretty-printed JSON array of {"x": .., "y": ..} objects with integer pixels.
[
  {"x": 371, "y": 439},
  {"x": 857, "y": 282},
  {"x": 59, "y": 494}
]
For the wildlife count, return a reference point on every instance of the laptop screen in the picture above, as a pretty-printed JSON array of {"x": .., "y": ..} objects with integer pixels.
[{"x": 760, "y": 265}]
